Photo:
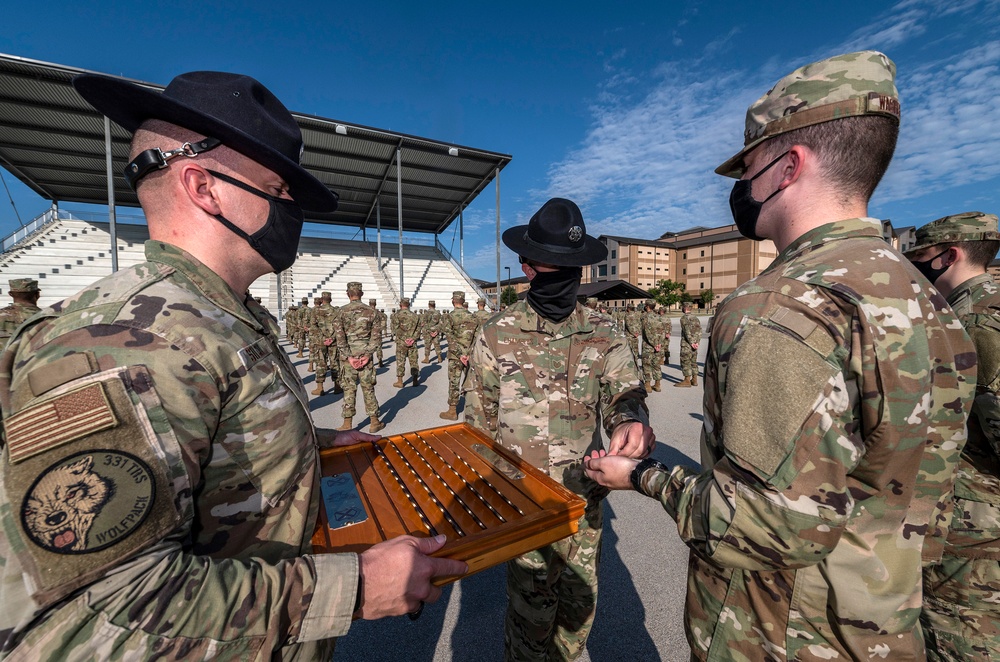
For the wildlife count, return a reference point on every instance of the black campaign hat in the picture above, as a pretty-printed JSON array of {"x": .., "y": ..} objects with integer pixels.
[
  {"x": 556, "y": 235},
  {"x": 232, "y": 108}
]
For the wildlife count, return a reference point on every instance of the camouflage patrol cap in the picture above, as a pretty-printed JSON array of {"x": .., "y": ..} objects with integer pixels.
[
  {"x": 431, "y": 304},
  {"x": 23, "y": 285},
  {"x": 326, "y": 295},
  {"x": 458, "y": 295},
  {"x": 305, "y": 300},
  {"x": 967, "y": 226},
  {"x": 848, "y": 85},
  {"x": 371, "y": 302},
  {"x": 354, "y": 287},
  {"x": 405, "y": 301},
  {"x": 480, "y": 301},
  {"x": 650, "y": 302},
  {"x": 591, "y": 302}
]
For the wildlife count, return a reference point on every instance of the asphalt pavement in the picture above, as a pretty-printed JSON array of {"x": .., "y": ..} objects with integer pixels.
[{"x": 643, "y": 562}]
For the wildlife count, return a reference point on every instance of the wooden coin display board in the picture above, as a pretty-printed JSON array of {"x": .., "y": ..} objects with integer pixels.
[{"x": 451, "y": 480}]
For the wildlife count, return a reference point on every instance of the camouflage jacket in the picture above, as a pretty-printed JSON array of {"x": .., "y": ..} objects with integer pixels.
[
  {"x": 544, "y": 389},
  {"x": 460, "y": 327},
  {"x": 12, "y": 317},
  {"x": 482, "y": 316},
  {"x": 406, "y": 325},
  {"x": 357, "y": 331},
  {"x": 975, "y": 528},
  {"x": 304, "y": 318},
  {"x": 690, "y": 329},
  {"x": 383, "y": 321},
  {"x": 655, "y": 329},
  {"x": 290, "y": 316},
  {"x": 837, "y": 387},
  {"x": 159, "y": 479},
  {"x": 430, "y": 321},
  {"x": 322, "y": 321},
  {"x": 632, "y": 323}
]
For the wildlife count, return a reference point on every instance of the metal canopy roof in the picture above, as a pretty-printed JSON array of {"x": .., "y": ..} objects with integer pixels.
[{"x": 54, "y": 142}]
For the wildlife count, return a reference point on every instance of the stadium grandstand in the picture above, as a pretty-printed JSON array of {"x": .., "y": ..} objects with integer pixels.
[{"x": 410, "y": 188}]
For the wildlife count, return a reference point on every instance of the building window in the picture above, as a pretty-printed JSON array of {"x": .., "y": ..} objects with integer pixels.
[
  {"x": 614, "y": 254},
  {"x": 703, "y": 253},
  {"x": 684, "y": 271},
  {"x": 612, "y": 271},
  {"x": 685, "y": 256},
  {"x": 701, "y": 286},
  {"x": 702, "y": 270},
  {"x": 602, "y": 270}
]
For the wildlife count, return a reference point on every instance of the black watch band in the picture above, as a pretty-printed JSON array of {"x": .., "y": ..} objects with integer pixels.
[{"x": 640, "y": 468}]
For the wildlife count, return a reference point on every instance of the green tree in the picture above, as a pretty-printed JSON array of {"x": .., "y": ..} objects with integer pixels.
[
  {"x": 667, "y": 292},
  {"x": 508, "y": 295},
  {"x": 707, "y": 296}
]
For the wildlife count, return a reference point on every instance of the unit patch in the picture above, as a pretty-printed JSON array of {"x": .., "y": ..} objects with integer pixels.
[{"x": 88, "y": 501}]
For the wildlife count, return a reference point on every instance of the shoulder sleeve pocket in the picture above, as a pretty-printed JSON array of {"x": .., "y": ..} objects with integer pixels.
[
  {"x": 774, "y": 382},
  {"x": 90, "y": 475}
]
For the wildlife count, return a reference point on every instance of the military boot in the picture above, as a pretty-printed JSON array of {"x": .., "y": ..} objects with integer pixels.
[
  {"x": 656, "y": 386},
  {"x": 376, "y": 424},
  {"x": 299, "y": 355},
  {"x": 685, "y": 383},
  {"x": 416, "y": 379},
  {"x": 694, "y": 380},
  {"x": 336, "y": 388},
  {"x": 451, "y": 414},
  {"x": 427, "y": 359},
  {"x": 319, "y": 387},
  {"x": 348, "y": 424},
  {"x": 310, "y": 368},
  {"x": 399, "y": 382}
]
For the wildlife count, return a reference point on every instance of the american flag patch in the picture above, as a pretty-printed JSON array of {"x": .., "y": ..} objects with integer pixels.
[{"x": 58, "y": 421}]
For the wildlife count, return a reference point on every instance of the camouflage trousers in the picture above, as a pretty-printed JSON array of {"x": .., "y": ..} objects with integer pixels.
[
  {"x": 652, "y": 364},
  {"x": 456, "y": 373},
  {"x": 402, "y": 354},
  {"x": 552, "y": 594},
  {"x": 349, "y": 380},
  {"x": 689, "y": 360},
  {"x": 432, "y": 343},
  {"x": 633, "y": 343},
  {"x": 324, "y": 359},
  {"x": 378, "y": 352},
  {"x": 961, "y": 617}
]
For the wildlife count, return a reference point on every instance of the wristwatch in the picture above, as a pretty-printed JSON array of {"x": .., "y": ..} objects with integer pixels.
[{"x": 640, "y": 468}]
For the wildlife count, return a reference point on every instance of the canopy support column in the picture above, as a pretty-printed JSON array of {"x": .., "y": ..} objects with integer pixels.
[
  {"x": 497, "y": 176},
  {"x": 461, "y": 237},
  {"x": 399, "y": 215},
  {"x": 378, "y": 232},
  {"x": 111, "y": 196}
]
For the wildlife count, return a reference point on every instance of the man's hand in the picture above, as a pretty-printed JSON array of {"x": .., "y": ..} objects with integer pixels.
[
  {"x": 611, "y": 471},
  {"x": 434, "y": 334},
  {"x": 409, "y": 342},
  {"x": 694, "y": 345},
  {"x": 632, "y": 439},
  {"x": 658, "y": 347},
  {"x": 464, "y": 358},
  {"x": 358, "y": 362},
  {"x": 328, "y": 341},
  {"x": 332, "y": 438},
  {"x": 396, "y": 575}
]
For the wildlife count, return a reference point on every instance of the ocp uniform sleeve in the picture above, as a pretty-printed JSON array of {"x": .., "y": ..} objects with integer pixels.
[{"x": 482, "y": 388}]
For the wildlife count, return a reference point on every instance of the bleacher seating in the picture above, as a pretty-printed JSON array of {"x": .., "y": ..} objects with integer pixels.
[{"x": 69, "y": 254}]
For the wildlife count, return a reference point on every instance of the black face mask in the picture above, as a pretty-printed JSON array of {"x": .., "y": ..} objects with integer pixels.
[
  {"x": 929, "y": 272},
  {"x": 278, "y": 241},
  {"x": 553, "y": 293},
  {"x": 745, "y": 209}
]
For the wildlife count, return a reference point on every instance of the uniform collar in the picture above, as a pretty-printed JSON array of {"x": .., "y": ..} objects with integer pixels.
[
  {"x": 577, "y": 322},
  {"x": 960, "y": 298},
  {"x": 846, "y": 229},
  {"x": 208, "y": 283}
]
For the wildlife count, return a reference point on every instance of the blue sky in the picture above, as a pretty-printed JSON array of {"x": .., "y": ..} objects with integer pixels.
[{"x": 624, "y": 107}]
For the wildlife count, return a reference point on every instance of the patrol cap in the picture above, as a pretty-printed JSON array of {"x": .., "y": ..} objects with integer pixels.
[
  {"x": 23, "y": 285},
  {"x": 848, "y": 85},
  {"x": 354, "y": 287},
  {"x": 326, "y": 295},
  {"x": 458, "y": 295},
  {"x": 480, "y": 301},
  {"x": 967, "y": 226},
  {"x": 431, "y": 304},
  {"x": 591, "y": 302},
  {"x": 371, "y": 302},
  {"x": 650, "y": 302},
  {"x": 405, "y": 301},
  {"x": 305, "y": 300}
]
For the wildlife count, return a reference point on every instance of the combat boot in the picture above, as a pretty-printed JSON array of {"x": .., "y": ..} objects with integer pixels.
[
  {"x": 416, "y": 379},
  {"x": 427, "y": 359},
  {"x": 398, "y": 383},
  {"x": 656, "y": 386},
  {"x": 685, "y": 383},
  {"x": 376, "y": 425},
  {"x": 299, "y": 355},
  {"x": 319, "y": 387},
  {"x": 451, "y": 414},
  {"x": 694, "y": 380},
  {"x": 336, "y": 388},
  {"x": 348, "y": 424}
]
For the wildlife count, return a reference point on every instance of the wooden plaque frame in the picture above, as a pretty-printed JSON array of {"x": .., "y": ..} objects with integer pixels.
[{"x": 498, "y": 508}]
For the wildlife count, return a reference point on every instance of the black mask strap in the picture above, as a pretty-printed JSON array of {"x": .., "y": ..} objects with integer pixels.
[{"x": 156, "y": 159}]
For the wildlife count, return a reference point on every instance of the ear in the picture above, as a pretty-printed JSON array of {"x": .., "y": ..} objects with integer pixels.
[
  {"x": 799, "y": 156},
  {"x": 954, "y": 254},
  {"x": 200, "y": 187}
]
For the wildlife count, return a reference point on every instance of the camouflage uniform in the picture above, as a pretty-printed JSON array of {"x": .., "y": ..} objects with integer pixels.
[
  {"x": 431, "y": 328},
  {"x": 17, "y": 313},
  {"x": 690, "y": 335},
  {"x": 302, "y": 325},
  {"x": 190, "y": 430},
  {"x": 380, "y": 321},
  {"x": 460, "y": 328},
  {"x": 655, "y": 331},
  {"x": 290, "y": 314},
  {"x": 357, "y": 335},
  {"x": 406, "y": 326},
  {"x": 961, "y": 617},
  {"x": 323, "y": 356},
  {"x": 543, "y": 390},
  {"x": 482, "y": 314},
  {"x": 633, "y": 330}
]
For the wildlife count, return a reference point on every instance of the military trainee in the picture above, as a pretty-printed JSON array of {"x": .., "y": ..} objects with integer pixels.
[
  {"x": 159, "y": 474},
  {"x": 356, "y": 326},
  {"x": 482, "y": 314},
  {"x": 301, "y": 324},
  {"x": 837, "y": 386},
  {"x": 460, "y": 328},
  {"x": 324, "y": 355},
  {"x": 406, "y": 328},
  {"x": 961, "y": 618},
  {"x": 25, "y": 293},
  {"x": 430, "y": 326},
  {"x": 380, "y": 321},
  {"x": 655, "y": 336},
  {"x": 546, "y": 375},
  {"x": 690, "y": 337}
]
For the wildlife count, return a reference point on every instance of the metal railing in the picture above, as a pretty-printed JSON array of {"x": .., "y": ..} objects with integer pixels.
[
  {"x": 31, "y": 227},
  {"x": 447, "y": 254}
]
